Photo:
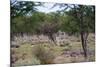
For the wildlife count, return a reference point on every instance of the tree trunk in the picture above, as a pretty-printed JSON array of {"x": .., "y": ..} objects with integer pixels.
[
  {"x": 52, "y": 38},
  {"x": 84, "y": 43},
  {"x": 83, "y": 32}
]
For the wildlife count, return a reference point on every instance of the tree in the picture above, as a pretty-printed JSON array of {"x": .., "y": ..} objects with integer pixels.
[
  {"x": 80, "y": 19},
  {"x": 73, "y": 18},
  {"x": 49, "y": 26},
  {"x": 21, "y": 9}
]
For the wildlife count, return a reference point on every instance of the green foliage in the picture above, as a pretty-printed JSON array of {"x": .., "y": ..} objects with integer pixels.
[
  {"x": 20, "y": 8},
  {"x": 72, "y": 22},
  {"x": 70, "y": 25},
  {"x": 68, "y": 21}
]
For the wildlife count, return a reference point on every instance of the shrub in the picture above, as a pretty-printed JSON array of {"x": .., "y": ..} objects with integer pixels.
[
  {"x": 14, "y": 56},
  {"x": 43, "y": 54},
  {"x": 28, "y": 61},
  {"x": 23, "y": 56}
]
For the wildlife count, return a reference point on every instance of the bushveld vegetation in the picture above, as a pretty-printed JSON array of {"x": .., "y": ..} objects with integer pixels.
[{"x": 72, "y": 19}]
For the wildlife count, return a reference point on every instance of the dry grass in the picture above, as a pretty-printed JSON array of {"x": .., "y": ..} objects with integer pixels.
[
  {"x": 28, "y": 54},
  {"x": 24, "y": 55}
]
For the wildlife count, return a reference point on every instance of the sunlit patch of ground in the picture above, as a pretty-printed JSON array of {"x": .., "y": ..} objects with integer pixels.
[
  {"x": 70, "y": 53},
  {"x": 75, "y": 54}
]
